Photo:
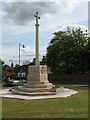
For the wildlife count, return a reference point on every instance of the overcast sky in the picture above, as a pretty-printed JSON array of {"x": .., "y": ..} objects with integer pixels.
[{"x": 18, "y": 24}]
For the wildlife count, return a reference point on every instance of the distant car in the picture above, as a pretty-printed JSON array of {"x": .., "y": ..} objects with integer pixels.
[
  {"x": 13, "y": 82},
  {"x": 24, "y": 81}
]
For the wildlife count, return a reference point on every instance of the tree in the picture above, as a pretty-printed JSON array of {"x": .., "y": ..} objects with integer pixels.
[
  {"x": 26, "y": 62},
  {"x": 68, "y": 51},
  {"x": 17, "y": 67},
  {"x": 2, "y": 72}
]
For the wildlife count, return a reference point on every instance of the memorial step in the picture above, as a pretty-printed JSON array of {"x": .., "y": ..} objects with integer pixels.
[
  {"x": 22, "y": 89},
  {"x": 33, "y": 94},
  {"x": 39, "y": 85}
]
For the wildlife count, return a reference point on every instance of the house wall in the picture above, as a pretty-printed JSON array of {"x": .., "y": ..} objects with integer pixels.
[
  {"x": 22, "y": 74},
  {"x": 9, "y": 70}
]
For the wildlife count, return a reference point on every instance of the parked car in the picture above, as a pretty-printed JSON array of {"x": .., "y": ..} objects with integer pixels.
[
  {"x": 24, "y": 81},
  {"x": 13, "y": 82}
]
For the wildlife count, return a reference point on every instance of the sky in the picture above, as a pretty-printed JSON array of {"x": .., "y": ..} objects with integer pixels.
[{"x": 18, "y": 25}]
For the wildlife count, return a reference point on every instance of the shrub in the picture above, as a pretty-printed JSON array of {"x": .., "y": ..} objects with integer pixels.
[{"x": 19, "y": 84}]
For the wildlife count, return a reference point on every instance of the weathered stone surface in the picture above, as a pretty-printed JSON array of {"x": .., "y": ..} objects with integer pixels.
[
  {"x": 37, "y": 78},
  {"x": 34, "y": 89},
  {"x": 37, "y": 83},
  {"x": 33, "y": 93},
  {"x": 66, "y": 93}
]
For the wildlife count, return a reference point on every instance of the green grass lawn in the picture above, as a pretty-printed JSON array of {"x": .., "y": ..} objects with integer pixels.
[{"x": 71, "y": 107}]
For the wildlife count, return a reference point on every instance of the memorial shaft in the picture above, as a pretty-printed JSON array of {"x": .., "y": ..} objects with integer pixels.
[
  {"x": 37, "y": 77},
  {"x": 37, "y": 39}
]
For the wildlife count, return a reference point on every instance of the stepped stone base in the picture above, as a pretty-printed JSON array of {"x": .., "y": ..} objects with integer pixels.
[
  {"x": 33, "y": 93},
  {"x": 37, "y": 83}
]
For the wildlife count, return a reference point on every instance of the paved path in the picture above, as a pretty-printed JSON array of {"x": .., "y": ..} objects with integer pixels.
[{"x": 65, "y": 93}]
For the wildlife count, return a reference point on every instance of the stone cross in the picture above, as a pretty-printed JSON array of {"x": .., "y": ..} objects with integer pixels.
[{"x": 37, "y": 39}]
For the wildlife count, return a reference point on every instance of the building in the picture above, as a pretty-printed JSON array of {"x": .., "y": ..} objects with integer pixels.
[
  {"x": 9, "y": 71},
  {"x": 22, "y": 71}
]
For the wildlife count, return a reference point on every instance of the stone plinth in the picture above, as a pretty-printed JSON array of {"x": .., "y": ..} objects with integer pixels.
[
  {"x": 37, "y": 82},
  {"x": 37, "y": 76}
]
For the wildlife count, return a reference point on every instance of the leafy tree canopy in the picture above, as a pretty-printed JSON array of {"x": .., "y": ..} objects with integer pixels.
[{"x": 68, "y": 51}]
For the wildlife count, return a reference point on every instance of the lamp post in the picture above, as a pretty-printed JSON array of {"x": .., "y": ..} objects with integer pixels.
[
  {"x": 19, "y": 51},
  {"x": 19, "y": 57}
]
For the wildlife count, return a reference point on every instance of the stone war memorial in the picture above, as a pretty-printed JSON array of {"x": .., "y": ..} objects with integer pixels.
[{"x": 37, "y": 79}]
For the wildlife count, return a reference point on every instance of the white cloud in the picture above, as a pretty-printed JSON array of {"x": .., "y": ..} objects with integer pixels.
[
  {"x": 15, "y": 29},
  {"x": 22, "y": 13},
  {"x": 0, "y": 51},
  {"x": 19, "y": 17},
  {"x": 58, "y": 1},
  {"x": 43, "y": 50},
  {"x": 30, "y": 1},
  {"x": 29, "y": 53},
  {"x": 10, "y": 53},
  {"x": 84, "y": 28},
  {"x": 1, "y": 14},
  {"x": 48, "y": 16},
  {"x": 67, "y": 6},
  {"x": 0, "y": 40},
  {"x": 26, "y": 53}
]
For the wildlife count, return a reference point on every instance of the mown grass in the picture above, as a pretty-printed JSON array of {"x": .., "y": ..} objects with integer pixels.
[{"x": 71, "y": 107}]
